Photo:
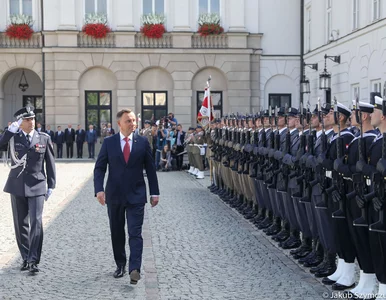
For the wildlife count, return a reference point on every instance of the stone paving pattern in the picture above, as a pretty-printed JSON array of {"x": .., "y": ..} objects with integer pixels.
[{"x": 195, "y": 247}]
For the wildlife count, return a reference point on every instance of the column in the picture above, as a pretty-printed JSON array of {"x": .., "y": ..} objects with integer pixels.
[
  {"x": 181, "y": 15},
  {"x": 124, "y": 15},
  {"x": 67, "y": 15},
  {"x": 236, "y": 21}
]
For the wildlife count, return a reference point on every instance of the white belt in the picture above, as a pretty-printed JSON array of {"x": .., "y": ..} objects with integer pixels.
[
  {"x": 329, "y": 174},
  {"x": 199, "y": 146},
  {"x": 347, "y": 178},
  {"x": 368, "y": 182}
]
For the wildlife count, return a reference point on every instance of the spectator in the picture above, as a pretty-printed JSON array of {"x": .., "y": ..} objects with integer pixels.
[
  {"x": 103, "y": 133},
  {"x": 110, "y": 130},
  {"x": 160, "y": 142},
  {"x": 166, "y": 159},
  {"x": 172, "y": 120},
  {"x": 38, "y": 127},
  {"x": 59, "y": 140},
  {"x": 69, "y": 137},
  {"x": 80, "y": 139},
  {"x": 180, "y": 147},
  {"x": 91, "y": 139},
  {"x": 50, "y": 132}
]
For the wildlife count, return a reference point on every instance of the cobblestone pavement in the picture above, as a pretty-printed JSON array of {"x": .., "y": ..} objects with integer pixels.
[{"x": 196, "y": 247}]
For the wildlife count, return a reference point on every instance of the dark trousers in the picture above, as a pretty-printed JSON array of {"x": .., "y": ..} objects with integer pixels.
[
  {"x": 179, "y": 158},
  {"x": 79, "y": 149},
  {"x": 27, "y": 220},
  {"x": 59, "y": 150},
  {"x": 70, "y": 150},
  {"x": 91, "y": 150},
  {"x": 133, "y": 215},
  {"x": 378, "y": 247}
]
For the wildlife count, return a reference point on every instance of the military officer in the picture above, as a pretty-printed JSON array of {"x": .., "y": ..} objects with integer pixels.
[
  {"x": 28, "y": 182},
  {"x": 198, "y": 152}
]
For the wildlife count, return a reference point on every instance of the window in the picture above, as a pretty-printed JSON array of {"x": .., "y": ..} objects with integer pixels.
[
  {"x": 153, "y": 7},
  {"x": 96, "y": 7},
  {"x": 154, "y": 105},
  {"x": 98, "y": 109},
  {"x": 376, "y": 10},
  {"x": 308, "y": 29},
  {"x": 328, "y": 20},
  {"x": 20, "y": 7},
  {"x": 37, "y": 103},
  {"x": 279, "y": 100},
  {"x": 355, "y": 15},
  {"x": 216, "y": 99},
  {"x": 376, "y": 86},
  {"x": 355, "y": 91},
  {"x": 209, "y": 6}
]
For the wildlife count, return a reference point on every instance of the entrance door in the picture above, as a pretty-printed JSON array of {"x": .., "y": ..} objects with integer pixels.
[
  {"x": 37, "y": 103},
  {"x": 154, "y": 105},
  {"x": 98, "y": 109}
]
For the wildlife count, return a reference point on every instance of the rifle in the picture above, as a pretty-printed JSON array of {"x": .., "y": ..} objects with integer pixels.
[
  {"x": 338, "y": 183},
  {"x": 285, "y": 168},
  {"x": 274, "y": 163},
  {"x": 357, "y": 178}
]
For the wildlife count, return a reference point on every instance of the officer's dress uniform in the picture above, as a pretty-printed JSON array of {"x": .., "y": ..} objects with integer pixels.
[{"x": 27, "y": 185}]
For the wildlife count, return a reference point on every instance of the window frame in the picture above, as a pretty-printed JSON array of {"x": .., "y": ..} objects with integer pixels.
[
  {"x": 154, "y": 107},
  {"x": 376, "y": 86},
  {"x": 355, "y": 15},
  {"x": 97, "y": 107},
  {"x": 153, "y": 7},
  {"x": 209, "y": 10},
  {"x": 21, "y": 12},
  {"x": 36, "y": 110},
  {"x": 328, "y": 19},
  {"x": 308, "y": 28},
  {"x": 279, "y": 95},
  {"x": 215, "y": 107},
  {"x": 375, "y": 10},
  {"x": 95, "y": 6}
]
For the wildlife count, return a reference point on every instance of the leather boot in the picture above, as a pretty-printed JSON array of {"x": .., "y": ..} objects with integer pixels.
[
  {"x": 312, "y": 254},
  {"x": 317, "y": 260},
  {"x": 274, "y": 228},
  {"x": 260, "y": 217},
  {"x": 329, "y": 267},
  {"x": 293, "y": 241},
  {"x": 306, "y": 243},
  {"x": 267, "y": 222},
  {"x": 283, "y": 234}
]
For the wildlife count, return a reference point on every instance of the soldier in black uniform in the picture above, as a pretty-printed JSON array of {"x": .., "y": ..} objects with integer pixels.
[{"x": 28, "y": 183}]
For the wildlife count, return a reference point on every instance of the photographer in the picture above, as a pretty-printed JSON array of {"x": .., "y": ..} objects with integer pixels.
[
  {"x": 161, "y": 141},
  {"x": 172, "y": 120},
  {"x": 166, "y": 159},
  {"x": 180, "y": 139}
]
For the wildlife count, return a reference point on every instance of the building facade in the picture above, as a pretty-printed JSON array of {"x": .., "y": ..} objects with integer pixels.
[
  {"x": 75, "y": 79},
  {"x": 355, "y": 31}
]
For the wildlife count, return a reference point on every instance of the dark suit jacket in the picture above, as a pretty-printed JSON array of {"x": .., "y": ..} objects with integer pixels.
[
  {"x": 182, "y": 138},
  {"x": 34, "y": 179},
  {"x": 69, "y": 135},
  {"x": 125, "y": 182},
  {"x": 91, "y": 137},
  {"x": 51, "y": 134},
  {"x": 59, "y": 139},
  {"x": 80, "y": 136}
]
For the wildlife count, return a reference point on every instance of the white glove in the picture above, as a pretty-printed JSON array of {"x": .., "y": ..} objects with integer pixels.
[
  {"x": 49, "y": 192},
  {"x": 15, "y": 126}
]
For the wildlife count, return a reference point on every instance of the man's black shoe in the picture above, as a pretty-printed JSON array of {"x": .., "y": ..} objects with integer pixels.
[
  {"x": 119, "y": 272},
  {"x": 24, "y": 266},
  {"x": 33, "y": 268}
]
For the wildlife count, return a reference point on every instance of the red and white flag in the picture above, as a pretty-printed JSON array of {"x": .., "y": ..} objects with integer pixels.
[{"x": 206, "y": 107}]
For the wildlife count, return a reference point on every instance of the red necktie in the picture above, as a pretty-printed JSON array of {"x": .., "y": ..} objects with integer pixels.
[{"x": 126, "y": 149}]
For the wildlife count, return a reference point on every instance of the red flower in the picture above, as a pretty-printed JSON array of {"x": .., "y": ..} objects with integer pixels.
[
  {"x": 210, "y": 29},
  {"x": 154, "y": 31},
  {"x": 97, "y": 30},
  {"x": 19, "y": 31}
]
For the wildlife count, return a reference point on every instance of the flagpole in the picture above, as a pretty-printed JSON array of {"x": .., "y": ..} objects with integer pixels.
[{"x": 210, "y": 119}]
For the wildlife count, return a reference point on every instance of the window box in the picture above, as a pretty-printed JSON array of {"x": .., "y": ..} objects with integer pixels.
[
  {"x": 96, "y": 26},
  {"x": 209, "y": 24},
  {"x": 20, "y": 27},
  {"x": 153, "y": 26}
]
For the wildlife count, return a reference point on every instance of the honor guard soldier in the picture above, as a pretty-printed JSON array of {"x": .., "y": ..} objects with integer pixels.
[{"x": 28, "y": 182}]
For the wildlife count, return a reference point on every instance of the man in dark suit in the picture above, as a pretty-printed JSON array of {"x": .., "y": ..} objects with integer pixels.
[
  {"x": 50, "y": 132},
  {"x": 91, "y": 139},
  {"x": 27, "y": 183},
  {"x": 180, "y": 138},
  {"x": 59, "y": 140},
  {"x": 69, "y": 137},
  {"x": 126, "y": 155},
  {"x": 80, "y": 139}
]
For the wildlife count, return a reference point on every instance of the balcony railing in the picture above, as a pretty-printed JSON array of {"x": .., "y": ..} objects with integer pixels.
[
  {"x": 86, "y": 41},
  {"x": 210, "y": 41},
  {"x": 142, "y": 41},
  {"x": 33, "y": 42}
]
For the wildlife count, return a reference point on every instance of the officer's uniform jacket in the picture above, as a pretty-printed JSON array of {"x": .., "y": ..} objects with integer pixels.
[
  {"x": 33, "y": 180},
  {"x": 146, "y": 132}
]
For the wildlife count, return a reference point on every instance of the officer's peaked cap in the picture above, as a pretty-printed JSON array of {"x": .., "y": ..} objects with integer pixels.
[{"x": 25, "y": 113}]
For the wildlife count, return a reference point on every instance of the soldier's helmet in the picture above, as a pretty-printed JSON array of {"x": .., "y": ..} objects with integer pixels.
[{"x": 25, "y": 113}]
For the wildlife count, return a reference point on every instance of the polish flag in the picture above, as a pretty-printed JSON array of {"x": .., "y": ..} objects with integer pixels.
[{"x": 206, "y": 109}]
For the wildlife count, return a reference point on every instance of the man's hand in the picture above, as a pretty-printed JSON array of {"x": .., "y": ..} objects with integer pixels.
[
  {"x": 154, "y": 200},
  {"x": 48, "y": 194},
  {"x": 15, "y": 126},
  {"x": 101, "y": 198}
]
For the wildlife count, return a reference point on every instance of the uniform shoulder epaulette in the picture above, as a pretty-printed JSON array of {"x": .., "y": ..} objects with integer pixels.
[{"x": 43, "y": 133}]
